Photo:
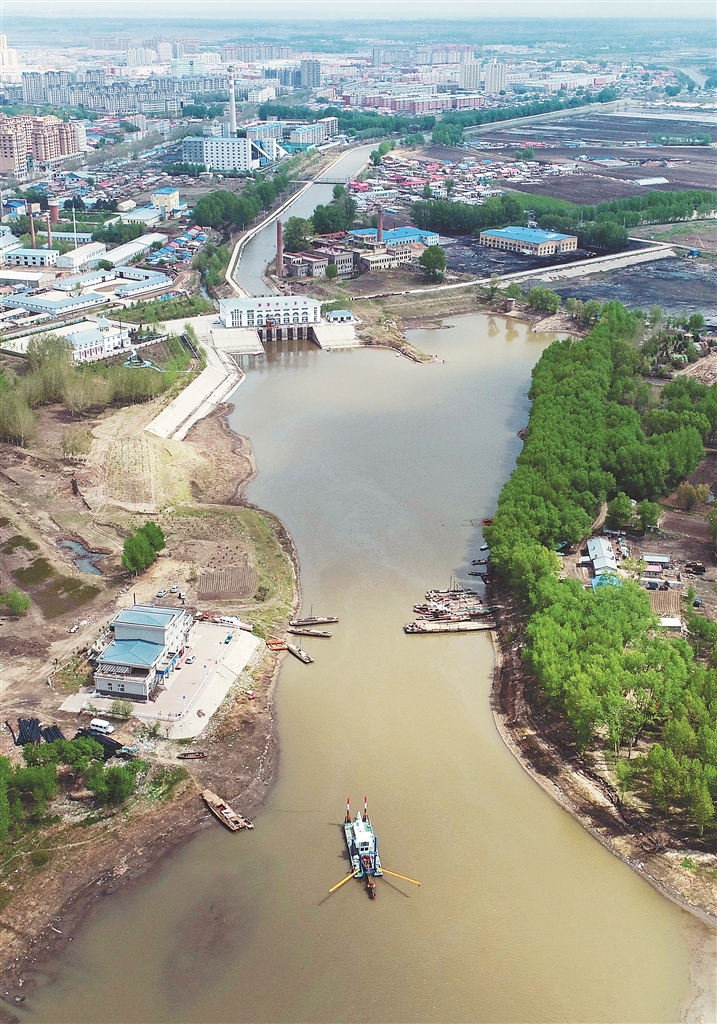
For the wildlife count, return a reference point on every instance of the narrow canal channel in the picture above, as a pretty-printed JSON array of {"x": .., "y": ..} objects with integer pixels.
[{"x": 377, "y": 466}]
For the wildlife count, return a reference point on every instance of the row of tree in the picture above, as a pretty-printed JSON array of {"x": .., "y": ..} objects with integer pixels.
[
  {"x": 226, "y": 211},
  {"x": 359, "y": 124},
  {"x": 599, "y": 657}
]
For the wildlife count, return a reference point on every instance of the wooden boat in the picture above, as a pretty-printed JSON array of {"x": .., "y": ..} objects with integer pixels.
[
  {"x": 221, "y": 810},
  {"x": 298, "y": 653},
  {"x": 479, "y": 561},
  {"x": 275, "y": 644},
  {"x": 297, "y": 631},
  {"x": 191, "y": 755},
  {"x": 489, "y": 519},
  {"x": 314, "y": 620}
]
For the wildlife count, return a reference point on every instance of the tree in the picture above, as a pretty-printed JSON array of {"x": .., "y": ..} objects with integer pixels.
[
  {"x": 15, "y": 602},
  {"x": 375, "y": 157},
  {"x": 513, "y": 291},
  {"x": 655, "y": 317},
  {"x": 648, "y": 513},
  {"x": 696, "y": 323},
  {"x": 296, "y": 234},
  {"x": 427, "y": 190},
  {"x": 449, "y": 185},
  {"x": 75, "y": 441},
  {"x": 493, "y": 286},
  {"x": 690, "y": 496},
  {"x": 137, "y": 553},
  {"x": 619, "y": 511},
  {"x": 432, "y": 262},
  {"x": 332, "y": 272},
  {"x": 43, "y": 348},
  {"x": 154, "y": 534},
  {"x": 702, "y": 808},
  {"x": 121, "y": 709}
]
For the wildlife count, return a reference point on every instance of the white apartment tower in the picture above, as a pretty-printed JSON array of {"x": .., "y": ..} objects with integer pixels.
[
  {"x": 469, "y": 77},
  {"x": 496, "y": 78}
]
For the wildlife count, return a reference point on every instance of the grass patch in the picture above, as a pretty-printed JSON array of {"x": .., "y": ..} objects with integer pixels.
[
  {"x": 5, "y": 896},
  {"x": 73, "y": 675},
  {"x": 40, "y": 858},
  {"x": 35, "y": 573},
  {"x": 162, "y": 786},
  {"x": 18, "y": 541}
]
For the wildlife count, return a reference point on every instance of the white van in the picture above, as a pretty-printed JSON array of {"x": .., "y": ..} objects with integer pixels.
[{"x": 101, "y": 725}]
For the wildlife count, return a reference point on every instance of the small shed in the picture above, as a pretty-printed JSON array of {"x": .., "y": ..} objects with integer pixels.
[{"x": 339, "y": 316}]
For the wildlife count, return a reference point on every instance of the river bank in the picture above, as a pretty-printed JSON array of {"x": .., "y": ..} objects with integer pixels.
[
  {"x": 543, "y": 746},
  {"x": 112, "y": 851}
]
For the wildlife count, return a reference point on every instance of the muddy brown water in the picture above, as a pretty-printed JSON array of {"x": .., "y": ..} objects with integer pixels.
[{"x": 377, "y": 466}]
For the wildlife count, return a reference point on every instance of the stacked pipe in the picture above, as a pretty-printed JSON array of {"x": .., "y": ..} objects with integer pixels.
[
  {"x": 28, "y": 731},
  {"x": 51, "y": 733}
]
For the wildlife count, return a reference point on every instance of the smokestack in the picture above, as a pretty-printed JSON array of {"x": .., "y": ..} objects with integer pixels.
[
  {"x": 55, "y": 211},
  {"x": 49, "y": 233},
  {"x": 232, "y": 107},
  {"x": 279, "y": 248},
  {"x": 379, "y": 236},
  {"x": 32, "y": 230}
]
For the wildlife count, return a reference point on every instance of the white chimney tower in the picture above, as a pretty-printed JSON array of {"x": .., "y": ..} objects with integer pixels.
[{"x": 232, "y": 107}]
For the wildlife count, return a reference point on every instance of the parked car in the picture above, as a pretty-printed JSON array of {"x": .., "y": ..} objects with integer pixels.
[
  {"x": 191, "y": 659},
  {"x": 228, "y": 639},
  {"x": 161, "y": 593},
  {"x": 174, "y": 589}
]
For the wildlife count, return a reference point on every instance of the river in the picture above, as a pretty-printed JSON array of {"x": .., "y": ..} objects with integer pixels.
[{"x": 377, "y": 465}]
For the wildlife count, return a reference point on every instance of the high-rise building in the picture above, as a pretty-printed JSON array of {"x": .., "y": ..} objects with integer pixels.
[
  {"x": 469, "y": 75},
  {"x": 311, "y": 74},
  {"x": 496, "y": 77},
  {"x": 377, "y": 58},
  {"x": 32, "y": 87},
  {"x": 42, "y": 139}
]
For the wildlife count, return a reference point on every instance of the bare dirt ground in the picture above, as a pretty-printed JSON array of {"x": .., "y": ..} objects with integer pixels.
[
  {"x": 193, "y": 489},
  {"x": 697, "y": 234}
]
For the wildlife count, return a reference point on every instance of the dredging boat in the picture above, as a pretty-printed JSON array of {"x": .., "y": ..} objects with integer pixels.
[
  {"x": 362, "y": 845},
  {"x": 223, "y": 812},
  {"x": 314, "y": 620}
]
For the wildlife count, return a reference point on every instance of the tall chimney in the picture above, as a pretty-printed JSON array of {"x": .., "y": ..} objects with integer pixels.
[
  {"x": 55, "y": 211},
  {"x": 49, "y": 233},
  {"x": 379, "y": 236},
  {"x": 279, "y": 248},
  {"x": 32, "y": 230},
  {"x": 232, "y": 107}
]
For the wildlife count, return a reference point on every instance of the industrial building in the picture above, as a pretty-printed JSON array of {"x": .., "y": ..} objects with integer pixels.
[
  {"x": 222, "y": 153},
  {"x": 77, "y": 258},
  {"x": 269, "y": 311},
  {"x": 31, "y": 257},
  {"x": 396, "y": 236},
  {"x": 529, "y": 241},
  {"x": 147, "y": 645}
]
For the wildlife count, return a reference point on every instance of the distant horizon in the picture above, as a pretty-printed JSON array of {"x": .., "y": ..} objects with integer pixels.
[{"x": 405, "y": 11}]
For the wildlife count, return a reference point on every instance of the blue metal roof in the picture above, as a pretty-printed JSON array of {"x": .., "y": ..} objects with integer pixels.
[
  {"x": 395, "y": 234},
  {"x": 146, "y": 615},
  {"x": 137, "y": 653},
  {"x": 533, "y": 235}
]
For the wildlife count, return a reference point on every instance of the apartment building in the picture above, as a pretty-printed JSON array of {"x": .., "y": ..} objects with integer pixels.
[{"x": 40, "y": 140}]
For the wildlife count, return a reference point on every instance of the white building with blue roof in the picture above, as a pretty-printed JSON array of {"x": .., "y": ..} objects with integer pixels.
[
  {"x": 148, "y": 643},
  {"x": 528, "y": 241}
]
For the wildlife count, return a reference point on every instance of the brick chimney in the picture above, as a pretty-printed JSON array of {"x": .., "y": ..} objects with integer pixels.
[
  {"x": 49, "y": 232},
  {"x": 32, "y": 230},
  {"x": 55, "y": 211},
  {"x": 379, "y": 236},
  {"x": 279, "y": 248}
]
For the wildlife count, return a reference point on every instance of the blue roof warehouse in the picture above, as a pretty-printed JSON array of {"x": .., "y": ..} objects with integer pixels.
[{"x": 529, "y": 241}]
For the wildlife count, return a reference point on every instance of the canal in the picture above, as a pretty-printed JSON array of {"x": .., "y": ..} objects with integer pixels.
[{"x": 377, "y": 466}]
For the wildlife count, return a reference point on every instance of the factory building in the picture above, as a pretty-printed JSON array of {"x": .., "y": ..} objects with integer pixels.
[
  {"x": 529, "y": 241},
  {"x": 31, "y": 257},
  {"x": 76, "y": 258}
]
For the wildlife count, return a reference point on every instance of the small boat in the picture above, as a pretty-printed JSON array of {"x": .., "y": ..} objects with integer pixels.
[
  {"x": 484, "y": 547},
  {"x": 221, "y": 810},
  {"x": 489, "y": 519},
  {"x": 314, "y": 620},
  {"x": 298, "y": 653},
  {"x": 474, "y": 573},
  {"x": 479, "y": 561},
  {"x": 191, "y": 755},
  {"x": 297, "y": 631}
]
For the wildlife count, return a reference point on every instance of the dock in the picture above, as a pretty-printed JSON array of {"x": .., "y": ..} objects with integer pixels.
[{"x": 448, "y": 627}]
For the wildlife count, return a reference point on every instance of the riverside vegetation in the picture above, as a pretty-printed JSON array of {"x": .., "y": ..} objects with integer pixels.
[{"x": 595, "y": 430}]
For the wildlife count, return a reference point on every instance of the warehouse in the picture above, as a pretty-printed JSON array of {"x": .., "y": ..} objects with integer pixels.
[{"x": 529, "y": 241}]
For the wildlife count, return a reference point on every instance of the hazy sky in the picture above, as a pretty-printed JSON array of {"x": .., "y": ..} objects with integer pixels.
[{"x": 341, "y": 10}]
